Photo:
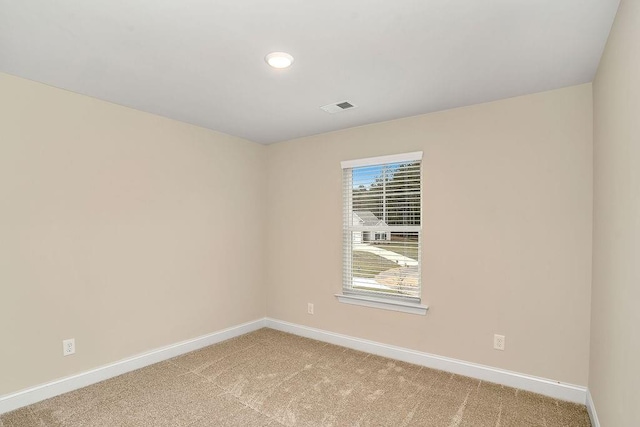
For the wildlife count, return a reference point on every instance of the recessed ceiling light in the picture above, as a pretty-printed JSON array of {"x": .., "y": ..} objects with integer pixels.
[{"x": 279, "y": 59}]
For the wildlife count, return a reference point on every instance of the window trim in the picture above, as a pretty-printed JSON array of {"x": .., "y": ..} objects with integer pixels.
[
  {"x": 409, "y": 304},
  {"x": 383, "y": 303},
  {"x": 372, "y": 161}
]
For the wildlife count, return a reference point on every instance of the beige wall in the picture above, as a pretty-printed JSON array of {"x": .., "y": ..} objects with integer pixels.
[
  {"x": 124, "y": 230},
  {"x": 507, "y": 232},
  {"x": 614, "y": 376}
]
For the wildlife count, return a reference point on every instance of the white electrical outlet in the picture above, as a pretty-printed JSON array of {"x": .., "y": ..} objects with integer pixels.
[
  {"x": 310, "y": 308},
  {"x": 68, "y": 347},
  {"x": 498, "y": 342}
]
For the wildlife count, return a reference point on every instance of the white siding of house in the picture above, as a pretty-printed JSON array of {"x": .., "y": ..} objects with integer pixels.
[{"x": 357, "y": 236}]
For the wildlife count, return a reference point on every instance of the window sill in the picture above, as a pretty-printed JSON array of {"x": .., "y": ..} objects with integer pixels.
[{"x": 385, "y": 304}]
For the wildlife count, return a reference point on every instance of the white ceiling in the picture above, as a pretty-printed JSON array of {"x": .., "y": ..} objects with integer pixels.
[{"x": 202, "y": 61}]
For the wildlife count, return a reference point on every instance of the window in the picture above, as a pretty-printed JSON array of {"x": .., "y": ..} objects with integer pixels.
[{"x": 382, "y": 231}]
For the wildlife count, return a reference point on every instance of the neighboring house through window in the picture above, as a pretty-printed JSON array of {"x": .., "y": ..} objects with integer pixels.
[
  {"x": 382, "y": 230},
  {"x": 367, "y": 218}
]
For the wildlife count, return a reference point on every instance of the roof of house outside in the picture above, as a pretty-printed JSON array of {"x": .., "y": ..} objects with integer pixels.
[{"x": 368, "y": 218}]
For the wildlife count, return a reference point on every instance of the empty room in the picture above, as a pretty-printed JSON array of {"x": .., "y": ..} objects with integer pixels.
[{"x": 319, "y": 213}]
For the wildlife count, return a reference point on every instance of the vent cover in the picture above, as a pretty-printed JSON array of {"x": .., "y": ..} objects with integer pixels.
[{"x": 338, "y": 107}]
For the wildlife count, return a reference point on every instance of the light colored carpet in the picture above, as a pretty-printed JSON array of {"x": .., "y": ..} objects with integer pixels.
[{"x": 269, "y": 378}]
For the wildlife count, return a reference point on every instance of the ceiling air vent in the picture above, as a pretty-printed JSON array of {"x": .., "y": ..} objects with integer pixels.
[{"x": 338, "y": 107}]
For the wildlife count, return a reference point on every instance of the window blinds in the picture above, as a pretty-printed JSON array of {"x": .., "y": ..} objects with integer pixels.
[{"x": 382, "y": 226}]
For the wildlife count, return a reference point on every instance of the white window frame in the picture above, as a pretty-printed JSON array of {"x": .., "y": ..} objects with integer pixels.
[{"x": 350, "y": 296}]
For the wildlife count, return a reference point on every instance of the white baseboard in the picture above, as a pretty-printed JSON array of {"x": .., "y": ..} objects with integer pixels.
[
  {"x": 591, "y": 408},
  {"x": 31, "y": 395},
  {"x": 555, "y": 389}
]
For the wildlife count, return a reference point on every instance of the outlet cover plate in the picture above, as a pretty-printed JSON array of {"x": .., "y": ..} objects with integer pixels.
[
  {"x": 498, "y": 342},
  {"x": 68, "y": 347}
]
